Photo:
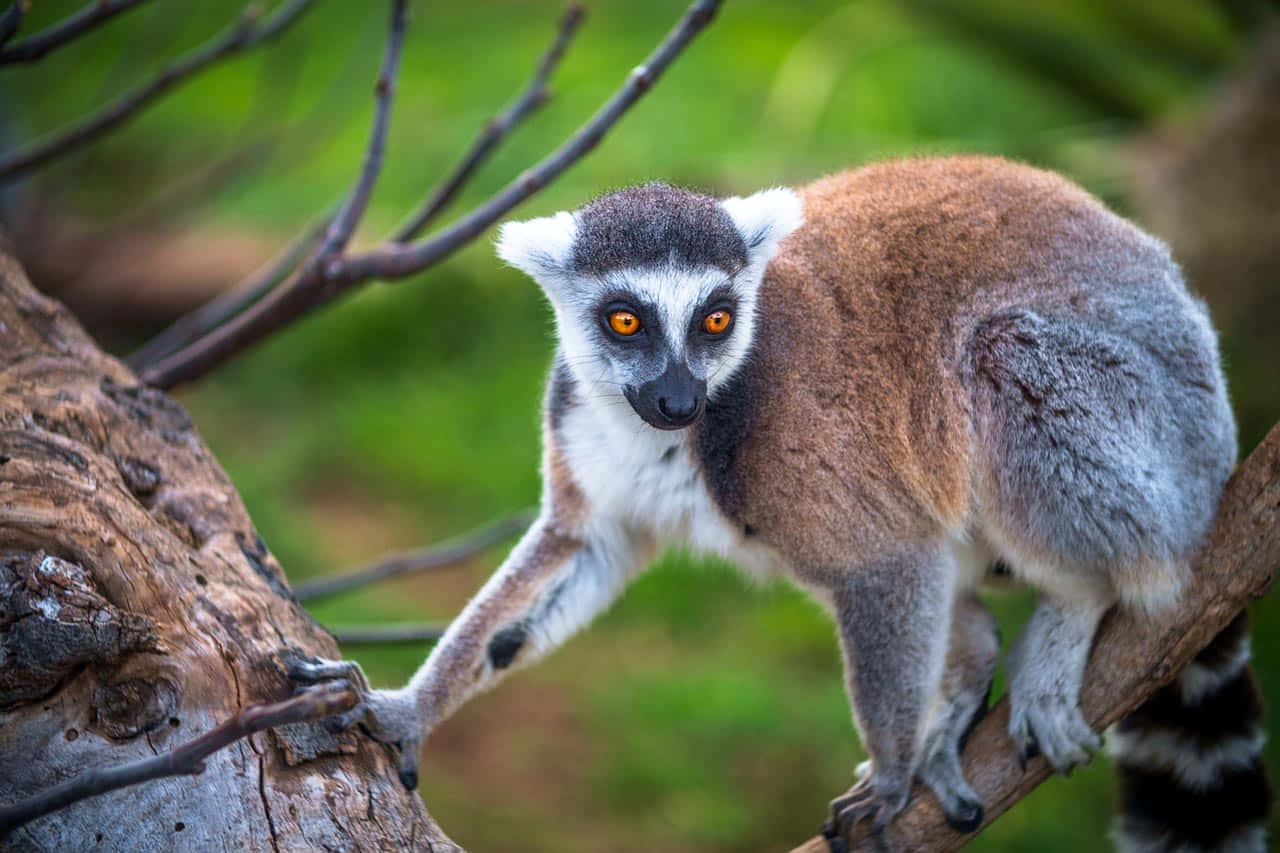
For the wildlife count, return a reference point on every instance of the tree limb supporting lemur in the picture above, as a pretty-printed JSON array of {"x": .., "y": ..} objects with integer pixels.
[
  {"x": 1133, "y": 656},
  {"x": 142, "y": 619}
]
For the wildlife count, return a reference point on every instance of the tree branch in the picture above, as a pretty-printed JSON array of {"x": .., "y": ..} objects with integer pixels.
[
  {"x": 191, "y": 326},
  {"x": 533, "y": 97},
  {"x": 312, "y": 703},
  {"x": 439, "y": 556},
  {"x": 246, "y": 33},
  {"x": 11, "y": 19},
  {"x": 69, "y": 28},
  {"x": 356, "y": 635},
  {"x": 344, "y": 224},
  {"x": 321, "y": 283},
  {"x": 1133, "y": 656}
]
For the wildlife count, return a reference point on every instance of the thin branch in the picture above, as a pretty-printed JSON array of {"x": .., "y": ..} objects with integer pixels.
[
  {"x": 438, "y": 556},
  {"x": 321, "y": 283},
  {"x": 1133, "y": 656},
  {"x": 313, "y": 703},
  {"x": 191, "y": 326},
  {"x": 533, "y": 97},
  {"x": 359, "y": 635},
  {"x": 69, "y": 28},
  {"x": 344, "y": 224},
  {"x": 246, "y": 33},
  {"x": 11, "y": 19}
]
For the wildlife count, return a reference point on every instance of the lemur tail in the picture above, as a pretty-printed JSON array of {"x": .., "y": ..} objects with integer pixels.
[{"x": 1191, "y": 771}]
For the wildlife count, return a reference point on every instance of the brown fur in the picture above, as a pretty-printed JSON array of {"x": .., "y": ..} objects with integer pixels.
[{"x": 874, "y": 317}]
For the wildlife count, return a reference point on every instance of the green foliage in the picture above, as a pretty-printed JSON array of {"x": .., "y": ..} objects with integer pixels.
[{"x": 702, "y": 712}]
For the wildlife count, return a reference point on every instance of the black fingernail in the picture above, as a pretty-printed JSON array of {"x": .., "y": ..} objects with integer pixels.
[
  {"x": 966, "y": 823},
  {"x": 835, "y": 841}
]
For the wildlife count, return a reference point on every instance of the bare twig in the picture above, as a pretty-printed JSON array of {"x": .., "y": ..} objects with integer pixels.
[
  {"x": 191, "y": 326},
  {"x": 349, "y": 635},
  {"x": 11, "y": 19},
  {"x": 344, "y": 224},
  {"x": 313, "y": 703},
  {"x": 245, "y": 33},
  {"x": 1133, "y": 656},
  {"x": 534, "y": 96},
  {"x": 321, "y": 283},
  {"x": 439, "y": 556},
  {"x": 69, "y": 28}
]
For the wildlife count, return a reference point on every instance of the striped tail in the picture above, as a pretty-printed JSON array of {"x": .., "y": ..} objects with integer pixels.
[{"x": 1191, "y": 772}]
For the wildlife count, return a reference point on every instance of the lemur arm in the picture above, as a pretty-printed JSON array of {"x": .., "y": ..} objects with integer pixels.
[{"x": 553, "y": 582}]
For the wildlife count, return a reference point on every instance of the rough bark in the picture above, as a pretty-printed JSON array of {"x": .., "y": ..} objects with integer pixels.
[
  {"x": 139, "y": 608},
  {"x": 1132, "y": 657}
]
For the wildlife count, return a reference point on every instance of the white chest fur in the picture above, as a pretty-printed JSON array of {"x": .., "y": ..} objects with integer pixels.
[{"x": 647, "y": 479}]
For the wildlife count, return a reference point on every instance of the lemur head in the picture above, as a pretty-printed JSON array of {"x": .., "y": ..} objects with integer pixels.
[{"x": 654, "y": 289}]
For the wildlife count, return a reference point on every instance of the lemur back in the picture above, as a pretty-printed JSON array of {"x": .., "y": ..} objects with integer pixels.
[{"x": 951, "y": 363}]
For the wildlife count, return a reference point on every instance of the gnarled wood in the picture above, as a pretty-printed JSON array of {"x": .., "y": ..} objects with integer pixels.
[{"x": 139, "y": 608}]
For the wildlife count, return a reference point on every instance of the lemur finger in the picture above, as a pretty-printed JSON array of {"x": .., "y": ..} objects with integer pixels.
[
  {"x": 339, "y": 723},
  {"x": 409, "y": 749},
  {"x": 319, "y": 669}
]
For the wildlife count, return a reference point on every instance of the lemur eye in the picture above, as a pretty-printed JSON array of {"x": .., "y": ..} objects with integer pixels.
[
  {"x": 716, "y": 322},
  {"x": 624, "y": 323}
]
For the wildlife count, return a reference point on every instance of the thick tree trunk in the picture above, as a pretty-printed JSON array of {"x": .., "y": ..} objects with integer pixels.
[{"x": 138, "y": 609}]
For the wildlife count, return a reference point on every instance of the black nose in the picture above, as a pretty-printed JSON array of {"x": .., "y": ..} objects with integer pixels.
[{"x": 678, "y": 409}]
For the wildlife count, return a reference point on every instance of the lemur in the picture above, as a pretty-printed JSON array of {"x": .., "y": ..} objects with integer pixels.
[{"x": 882, "y": 385}]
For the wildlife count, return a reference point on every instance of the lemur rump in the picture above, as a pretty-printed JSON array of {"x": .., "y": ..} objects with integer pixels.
[{"x": 880, "y": 385}]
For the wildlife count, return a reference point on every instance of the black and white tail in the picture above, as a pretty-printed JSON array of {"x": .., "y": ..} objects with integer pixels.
[{"x": 1190, "y": 762}]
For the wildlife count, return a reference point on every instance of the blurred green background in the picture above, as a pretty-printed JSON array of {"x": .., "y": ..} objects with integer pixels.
[{"x": 700, "y": 713}]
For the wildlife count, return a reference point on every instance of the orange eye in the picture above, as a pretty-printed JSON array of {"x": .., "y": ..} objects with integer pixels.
[
  {"x": 624, "y": 323},
  {"x": 716, "y": 322}
]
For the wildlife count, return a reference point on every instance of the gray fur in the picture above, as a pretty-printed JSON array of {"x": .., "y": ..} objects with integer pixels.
[{"x": 652, "y": 225}]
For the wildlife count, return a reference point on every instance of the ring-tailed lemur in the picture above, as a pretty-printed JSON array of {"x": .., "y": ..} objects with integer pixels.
[{"x": 882, "y": 384}]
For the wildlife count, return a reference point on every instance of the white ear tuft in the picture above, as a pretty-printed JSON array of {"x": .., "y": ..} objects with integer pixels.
[
  {"x": 539, "y": 247},
  {"x": 765, "y": 219}
]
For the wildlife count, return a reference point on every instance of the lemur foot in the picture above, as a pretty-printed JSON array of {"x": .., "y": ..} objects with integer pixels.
[
  {"x": 869, "y": 798},
  {"x": 1052, "y": 725},
  {"x": 961, "y": 805},
  {"x": 388, "y": 716}
]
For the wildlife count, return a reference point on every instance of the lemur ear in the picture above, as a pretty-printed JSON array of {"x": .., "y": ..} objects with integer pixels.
[
  {"x": 540, "y": 247},
  {"x": 765, "y": 219}
]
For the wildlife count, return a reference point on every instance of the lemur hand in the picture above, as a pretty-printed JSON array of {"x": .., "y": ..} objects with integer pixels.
[{"x": 387, "y": 716}]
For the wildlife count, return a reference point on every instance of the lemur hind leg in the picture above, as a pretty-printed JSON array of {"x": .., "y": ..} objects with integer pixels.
[
  {"x": 961, "y": 704},
  {"x": 894, "y": 617},
  {"x": 1046, "y": 670},
  {"x": 551, "y": 585},
  {"x": 1097, "y": 438}
]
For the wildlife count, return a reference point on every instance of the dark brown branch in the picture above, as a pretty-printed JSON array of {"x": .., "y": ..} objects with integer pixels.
[
  {"x": 191, "y": 326},
  {"x": 313, "y": 703},
  {"x": 11, "y": 19},
  {"x": 349, "y": 635},
  {"x": 533, "y": 97},
  {"x": 1132, "y": 657},
  {"x": 69, "y": 28},
  {"x": 439, "y": 556},
  {"x": 344, "y": 224},
  {"x": 322, "y": 283},
  {"x": 246, "y": 33}
]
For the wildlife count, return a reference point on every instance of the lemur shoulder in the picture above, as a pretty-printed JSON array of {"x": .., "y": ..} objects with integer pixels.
[{"x": 881, "y": 385}]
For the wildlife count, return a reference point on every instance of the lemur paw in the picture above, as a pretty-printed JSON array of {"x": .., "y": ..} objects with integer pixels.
[
  {"x": 1053, "y": 726},
  {"x": 961, "y": 805},
  {"x": 388, "y": 716},
  {"x": 869, "y": 798}
]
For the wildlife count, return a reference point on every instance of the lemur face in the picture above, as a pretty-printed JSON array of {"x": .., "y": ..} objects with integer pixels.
[{"x": 655, "y": 290}]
